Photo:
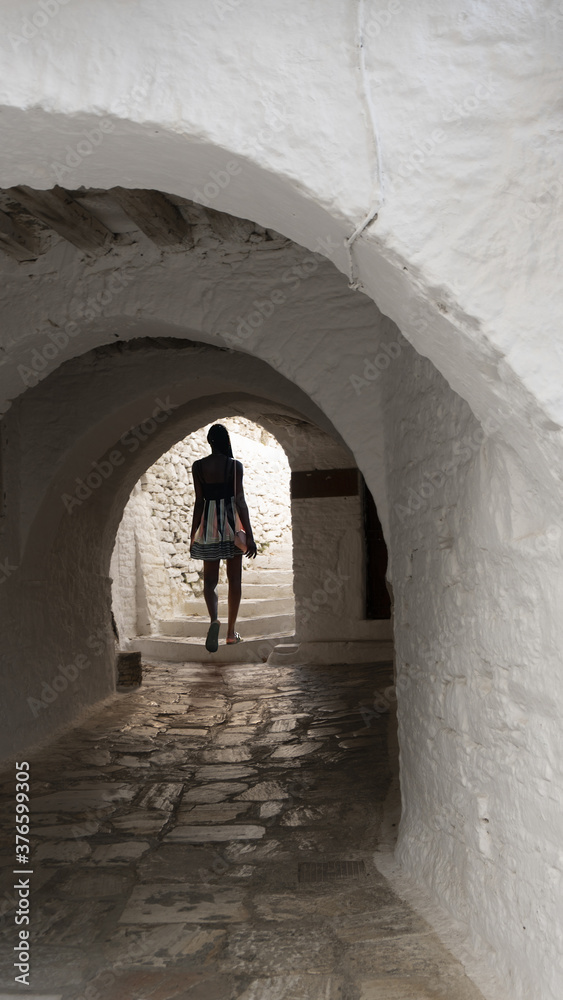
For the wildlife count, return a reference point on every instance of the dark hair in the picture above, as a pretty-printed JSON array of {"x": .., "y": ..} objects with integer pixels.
[{"x": 218, "y": 437}]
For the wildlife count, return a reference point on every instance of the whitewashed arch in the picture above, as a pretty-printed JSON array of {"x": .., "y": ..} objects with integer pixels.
[
  {"x": 372, "y": 131},
  {"x": 434, "y": 184}
]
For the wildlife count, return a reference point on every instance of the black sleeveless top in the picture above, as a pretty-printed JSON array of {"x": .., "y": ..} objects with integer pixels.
[{"x": 219, "y": 491}]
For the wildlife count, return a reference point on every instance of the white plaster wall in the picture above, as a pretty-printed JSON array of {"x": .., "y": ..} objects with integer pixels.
[
  {"x": 463, "y": 255},
  {"x": 319, "y": 338},
  {"x": 329, "y": 565},
  {"x": 478, "y": 676},
  {"x": 123, "y": 573},
  {"x": 107, "y": 393},
  {"x": 442, "y": 123}
]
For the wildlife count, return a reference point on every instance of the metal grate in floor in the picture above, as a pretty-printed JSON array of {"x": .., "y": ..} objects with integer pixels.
[{"x": 312, "y": 871}]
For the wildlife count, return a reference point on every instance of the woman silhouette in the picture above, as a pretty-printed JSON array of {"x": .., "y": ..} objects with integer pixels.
[{"x": 219, "y": 496}]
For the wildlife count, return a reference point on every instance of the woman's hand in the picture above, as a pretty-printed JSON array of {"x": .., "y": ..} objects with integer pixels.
[{"x": 251, "y": 550}]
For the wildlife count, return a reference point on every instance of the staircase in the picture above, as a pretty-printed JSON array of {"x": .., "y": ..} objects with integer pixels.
[{"x": 266, "y": 617}]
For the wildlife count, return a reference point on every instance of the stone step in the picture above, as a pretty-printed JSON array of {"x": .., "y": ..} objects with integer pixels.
[
  {"x": 273, "y": 561},
  {"x": 265, "y": 574},
  {"x": 278, "y": 551},
  {"x": 195, "y": 627},
  {"x": 253, "y": 569},
  {"x": 166, "y": 649},
  {"x": 249, "y": 607},
  {"x": 259, "y": 590}
]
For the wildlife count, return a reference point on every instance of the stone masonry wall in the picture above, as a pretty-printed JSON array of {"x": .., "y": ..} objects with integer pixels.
[
  {"x": 143, "y": 592},
  {"x": 168, "y": 488}
]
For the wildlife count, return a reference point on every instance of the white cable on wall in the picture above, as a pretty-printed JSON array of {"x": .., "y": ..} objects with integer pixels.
[{"x": 378, "y": 182}]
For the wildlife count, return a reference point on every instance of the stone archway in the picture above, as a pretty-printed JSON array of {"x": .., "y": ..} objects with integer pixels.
[
  {"x": 125, "y": 406},
  {"x": 421, "y": 450},
  {"x": 328, "y": 561},
  {"x": 154, "y": 577},
  {"x": 462, "y": 255},
  {"x": 422, "y": 453}
]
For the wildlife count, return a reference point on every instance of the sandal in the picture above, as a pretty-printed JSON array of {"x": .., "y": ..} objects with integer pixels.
[
  {"x": 212, "y": 641},
  {"x": 237, "y": 638}
]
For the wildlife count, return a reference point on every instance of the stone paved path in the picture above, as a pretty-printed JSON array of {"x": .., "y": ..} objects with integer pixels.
[{"x": 168, "y": 831}]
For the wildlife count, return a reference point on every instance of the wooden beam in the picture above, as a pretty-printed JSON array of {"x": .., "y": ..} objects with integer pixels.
[
  {"x": 16, "y": 241},
  {"x": 155, "y": 216},
  {"x": 324, "y": 483},
  {"x": 229, "y": 227},
  {"x": 57, "y": 210}
]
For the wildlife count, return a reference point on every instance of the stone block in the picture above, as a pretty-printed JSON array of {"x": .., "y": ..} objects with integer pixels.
[
  {"x": 214, "y": 834},
  {"x": 179, "y": 903},
  {"x": 129, "y": 670}
]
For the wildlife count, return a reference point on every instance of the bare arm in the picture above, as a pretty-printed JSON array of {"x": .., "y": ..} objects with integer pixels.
[
  {"x": 199, "y": 501},
  {"x": 243, "y": 513}
]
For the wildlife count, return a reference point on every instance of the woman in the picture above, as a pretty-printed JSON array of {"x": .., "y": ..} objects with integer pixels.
[{"x": 219, "y": 496}]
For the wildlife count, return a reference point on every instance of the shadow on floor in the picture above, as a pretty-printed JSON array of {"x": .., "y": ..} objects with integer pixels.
[{"x": 211, "y": 837}]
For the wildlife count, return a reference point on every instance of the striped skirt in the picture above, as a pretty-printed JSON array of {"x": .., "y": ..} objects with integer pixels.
[{"x": 215, "y": 537}]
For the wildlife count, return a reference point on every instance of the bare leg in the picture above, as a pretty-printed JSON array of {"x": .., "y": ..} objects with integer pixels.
[
  {"x": 234, "y": 576},
  {"x": 210, "y": 578}
]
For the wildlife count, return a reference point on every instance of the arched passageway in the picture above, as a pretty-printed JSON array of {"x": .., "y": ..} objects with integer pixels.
[
  {"x": 386, "y": 411},
  {"x": 154, "y": 578},
  {"x": 452, "y": 239},
  {"x": 324, "y": 553}
]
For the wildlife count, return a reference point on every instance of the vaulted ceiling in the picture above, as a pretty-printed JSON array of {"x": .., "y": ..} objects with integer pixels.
[{"x": 97, "y": 221}]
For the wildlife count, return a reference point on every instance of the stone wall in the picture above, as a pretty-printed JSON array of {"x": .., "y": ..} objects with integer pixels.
[
  {"x": 143, "y": 590},
  {"x": 168, "y": 492}
]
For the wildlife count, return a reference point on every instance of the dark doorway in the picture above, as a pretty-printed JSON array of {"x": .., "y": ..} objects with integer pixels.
[{"x": 378, "y": 603}]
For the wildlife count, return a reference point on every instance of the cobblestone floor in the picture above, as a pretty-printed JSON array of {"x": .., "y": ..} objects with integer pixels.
[{"x": 168, "y": 833}]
